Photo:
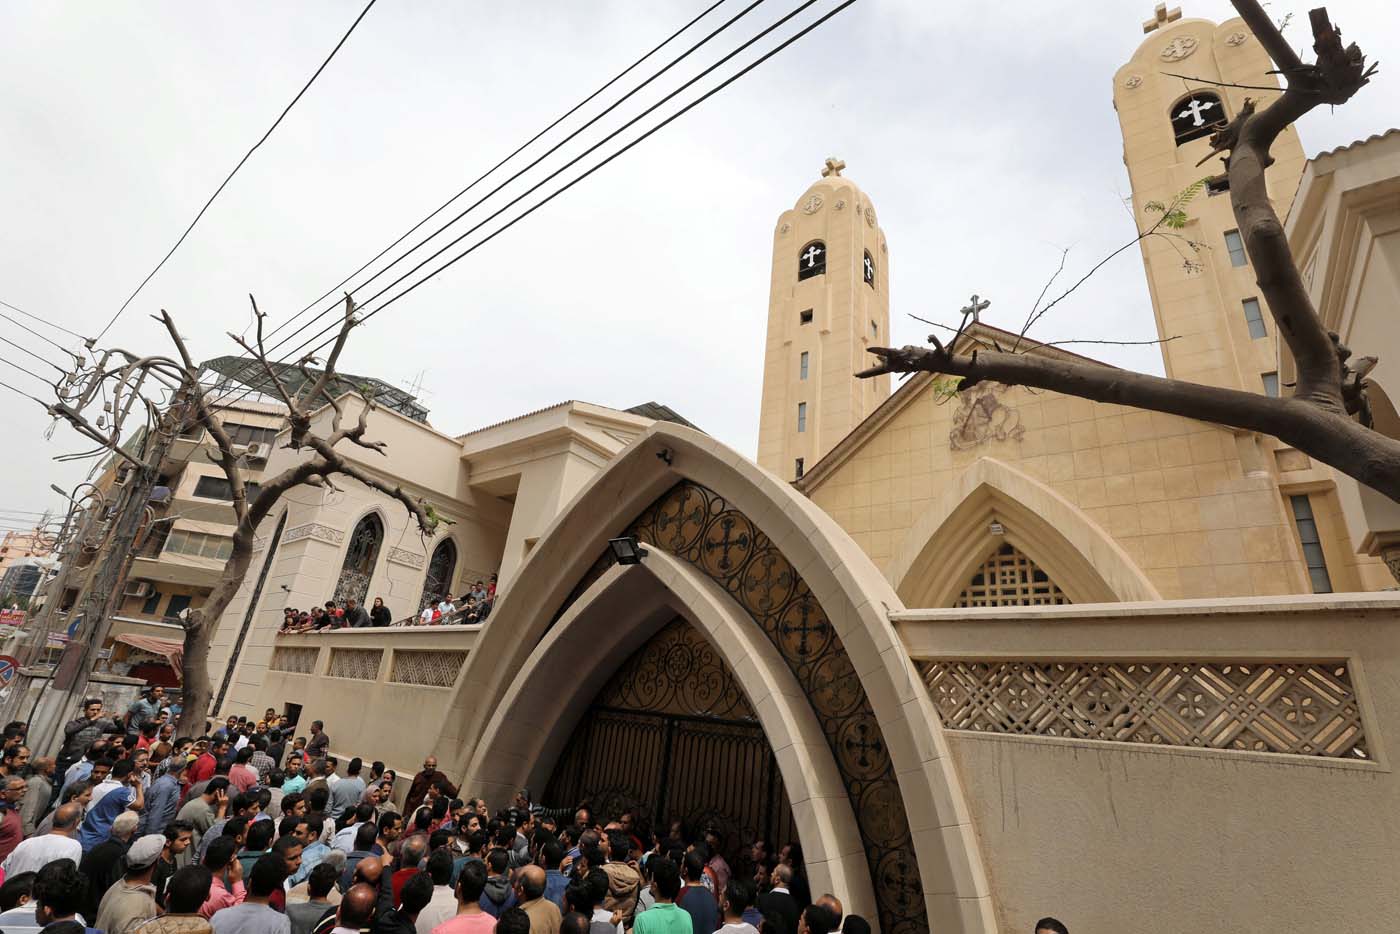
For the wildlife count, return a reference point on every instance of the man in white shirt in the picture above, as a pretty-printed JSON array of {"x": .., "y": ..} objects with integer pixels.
[
  {"x": 37, "y": 852},
  {"x": 102, "y": 788},
  {"x": 443, "y": 905}
]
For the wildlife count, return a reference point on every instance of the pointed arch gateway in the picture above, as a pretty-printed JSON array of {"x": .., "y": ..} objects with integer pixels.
[
  {"x": 798, "y": 613},
  {"x": 437, "y": 581},
  {"x": 361, "y": 556}
]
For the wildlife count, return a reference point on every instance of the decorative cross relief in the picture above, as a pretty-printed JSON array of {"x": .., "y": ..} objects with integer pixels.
[
  {"x": 1160, "y": 17},
  {"x": 1194, "y": 107},
  {"x": 813, "y": 252},
  {"x": 869, "y": 269}
]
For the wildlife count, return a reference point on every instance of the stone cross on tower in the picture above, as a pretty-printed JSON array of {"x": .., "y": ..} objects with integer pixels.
[
  {"x": 1193, "y": 110},
  {"x": 833, "y": 167},
  {"x": 1160, "y": 17},
  {"x": 811, "y": 255},
  {"x": 975, "y": 309}
]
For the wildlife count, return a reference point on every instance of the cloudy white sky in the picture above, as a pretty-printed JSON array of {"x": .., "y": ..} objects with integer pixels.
[{"x": 984, "y": 132}]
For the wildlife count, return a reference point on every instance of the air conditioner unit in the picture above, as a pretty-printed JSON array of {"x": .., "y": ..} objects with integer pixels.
[
  {"x": 137, "y": 589},
  {"x": 258, "y": 451},
  {"x": 160, "y": 495}
]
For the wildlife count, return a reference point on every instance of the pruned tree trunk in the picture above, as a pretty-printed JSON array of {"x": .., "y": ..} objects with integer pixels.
[{"x": 1327, "y": 416}]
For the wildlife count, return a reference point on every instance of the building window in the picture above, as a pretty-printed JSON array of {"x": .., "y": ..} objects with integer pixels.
[
  {"x": 179, "y": 602},
  {"x": 801, "y": 416},
  {"x": 802, "y": 365},
  {"x": 360, "y": 559},
  {"x": 438, "y": 581},
  {"x": 805, "y": 317},
  {"x": 1235, "y": 244},
  {"x": 1312, "y": 544},
  {"x": 1010, "y": 578},
  {"x": 1254, "y": 317},
  {"x": 1270, "y": 384},
  {"x": 874, "y": 329},
  {"x": 199, "y": 545},
  {"x": 798, "y": 469},
  {"x": 218, "y": 488},
  {"x": 812, "y": 260},
  {"x": 868, "y": 270},
  {"x": 1196, "y": 115},
  {"x": 249, "y": 434},
  {"x": 152, "y": 603}
]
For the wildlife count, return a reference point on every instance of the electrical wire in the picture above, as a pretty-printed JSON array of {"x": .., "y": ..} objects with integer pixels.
[
  {"x": 245, "y": 158},
  {"x": 11, "y": 363},
  {"x": 245, "y": 371},
  {"x": 23, "y": 393},
  {"x": 566, "y": 166},
  {"x": 27, "y": 314},
  {"x": 480, "y": 178},
  {"x": 43, "y": 360},
  {"x": 708, "y": 94}
]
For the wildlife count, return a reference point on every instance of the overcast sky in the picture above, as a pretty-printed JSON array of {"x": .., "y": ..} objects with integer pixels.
[{"x": 984, "y": 133}]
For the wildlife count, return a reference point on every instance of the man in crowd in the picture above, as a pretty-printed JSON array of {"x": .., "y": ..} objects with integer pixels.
[
  {"x": 38, "y": 851},
  {"x": 126, "y": 797},
  {"x": 430, "y": 777},
  {"x": 442, "y": 905},
  {"x": 58, "y": 894},
  {"x": 698, "y": 901},
  {"x": 254, "y": 915},
  {"x": 131, "y": 899},
  {"x": 202, "y": 811},
  {"x": 178, "y": 835},
  {"x": 320, "y": 743},
  {"x": 80, "y": 732},
  {"x": 529, "y": 890},
  {"x": 319, "y": 886},
  {"x": 12, "y": 791},
  {"x": 188, "y": 889},
  {"x": 817, "y": 919},
  {"x": 226, "y": 889},
  {"x": 36, "y": 800},
  {"x": 102, "y": 865},
  {"x": 356, "y": 615},
  {"x": 778, "y": 901},
  {"x": 347, "y": 792},
  {"x": 163, "y": 799},
  {"x": 665, "y": 917},
  {"x": 470, "y": 918},
  {"x": 738, "y": 896},
  {"x": 144, "y": 709}
]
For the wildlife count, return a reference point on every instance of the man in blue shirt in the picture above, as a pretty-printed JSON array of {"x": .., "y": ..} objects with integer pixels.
[{"x": 97, "y": 825}]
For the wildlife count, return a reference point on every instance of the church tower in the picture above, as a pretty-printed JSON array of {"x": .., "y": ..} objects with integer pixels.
[
  {"x": 829, "y": 300},
  {"x": 1203, "y": 289}
]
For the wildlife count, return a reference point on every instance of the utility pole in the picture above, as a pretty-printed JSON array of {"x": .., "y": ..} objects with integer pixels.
[{"x": 102, "y": 592}]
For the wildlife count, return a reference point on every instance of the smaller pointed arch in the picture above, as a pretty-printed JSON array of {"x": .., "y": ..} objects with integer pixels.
[
  {"x": 437, "y": 581},
  {"x": 361, "y": 556}
]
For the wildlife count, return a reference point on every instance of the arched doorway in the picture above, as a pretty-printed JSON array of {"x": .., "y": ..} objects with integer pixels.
[
  {"x": 360, "y": 558},
  {"x": 441, "y": 567},
  {"x": 694, "y": 748}
]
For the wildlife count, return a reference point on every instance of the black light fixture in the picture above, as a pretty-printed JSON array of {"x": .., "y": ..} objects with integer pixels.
[{"x": 627, "y": 550}]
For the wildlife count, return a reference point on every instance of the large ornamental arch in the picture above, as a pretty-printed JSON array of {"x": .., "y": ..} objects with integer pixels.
[{"x": 799, "y": 613}]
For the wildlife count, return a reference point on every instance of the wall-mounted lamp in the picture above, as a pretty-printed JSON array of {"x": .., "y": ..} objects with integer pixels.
[{"x": 627, "y": 550}]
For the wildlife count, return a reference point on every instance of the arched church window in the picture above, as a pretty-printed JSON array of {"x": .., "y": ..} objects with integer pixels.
[
  {"x": 440, "y": 569},
  {"x": 868, "y": 270},
  {"x": 360, "y": 559},
  {"x": 812, "y": 260},
  {"x": 1009, "y": 578},
  {"x": 1196, "y": 115}
]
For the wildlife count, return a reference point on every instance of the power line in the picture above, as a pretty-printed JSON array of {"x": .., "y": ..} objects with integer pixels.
[
  {"x": 23, "y": 393},
  {"x": 27, "y": 314},
  {"x": 23, "y": 370},
  {"x": 43, "y": 360},
  {"x": 572, "y": 162},
  {"x": 638, "y": 140},
  {"x": 521, "y": 148},
  {"x": 245, "y": 158},
  {"x": 667, "y": 67}
]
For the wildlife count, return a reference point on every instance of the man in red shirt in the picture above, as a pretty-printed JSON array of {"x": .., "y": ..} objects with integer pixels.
[
  {"x": 11, "y": 827},
  {"x": 202, "y": 768}
]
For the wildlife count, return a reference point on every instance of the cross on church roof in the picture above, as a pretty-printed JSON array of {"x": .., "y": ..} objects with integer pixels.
[
  {"x": 833, "y": 167},
  {"x": 1160, "y": 17}
]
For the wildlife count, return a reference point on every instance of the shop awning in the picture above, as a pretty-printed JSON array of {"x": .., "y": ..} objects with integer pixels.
[{"x": 172, "y": 649}]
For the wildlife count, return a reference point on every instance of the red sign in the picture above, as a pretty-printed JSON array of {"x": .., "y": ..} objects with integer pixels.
[{"x": 12, "y": 617}]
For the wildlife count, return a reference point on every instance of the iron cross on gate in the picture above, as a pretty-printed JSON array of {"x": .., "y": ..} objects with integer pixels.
[
  {"x": 726, "y": 543},
  {"x": 864, "y": 745},
  {"x": 804, "y": 627},
  {"x": 975, "y": 308}
]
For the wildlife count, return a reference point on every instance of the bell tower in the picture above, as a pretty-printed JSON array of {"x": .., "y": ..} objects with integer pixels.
[
  {"x": 1203, "y": 290},
  {"x": 828, "y": 301}
]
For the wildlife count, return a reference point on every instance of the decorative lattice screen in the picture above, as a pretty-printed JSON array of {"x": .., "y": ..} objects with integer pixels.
[
  {"x": 1302, "y": 708},
  {"x": 360, "y": 664},
  {"x": 1009, "y": 578},
  {"x": 431, "y": 667},
  {"x": 298, "y": 660}
]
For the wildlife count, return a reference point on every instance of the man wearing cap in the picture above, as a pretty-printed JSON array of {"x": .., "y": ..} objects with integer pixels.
[{"x": 133, "y": 898}]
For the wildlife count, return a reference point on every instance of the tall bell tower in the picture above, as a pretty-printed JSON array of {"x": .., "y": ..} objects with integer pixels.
[
  {"x": 828, "y": 301},
  {"x": 1203, "y": 289}
]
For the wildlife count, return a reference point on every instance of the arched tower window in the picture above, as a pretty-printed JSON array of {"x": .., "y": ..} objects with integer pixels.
[
  {"x": 1009, "y": 578},
  {"x": 360, "y": 559},
  {"x": 1196, "y": 115},
  {"x": 867, "y": 269},
  {"x": 440, "y": 569},
  {"x": 812, "y": 260}
]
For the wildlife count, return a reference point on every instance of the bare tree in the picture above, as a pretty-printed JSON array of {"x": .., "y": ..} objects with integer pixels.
[
  {"x": 1327, "y": 416},
  {"x": 323, "y": 463}
]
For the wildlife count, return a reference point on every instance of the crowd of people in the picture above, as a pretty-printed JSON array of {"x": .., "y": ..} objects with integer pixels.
[
  {"x": 472, "y": 607},
  {"x": 252, "y": 829}
]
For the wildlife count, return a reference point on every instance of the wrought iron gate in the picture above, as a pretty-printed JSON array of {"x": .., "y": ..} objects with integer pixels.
[{"x": 673, "y": 736}]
